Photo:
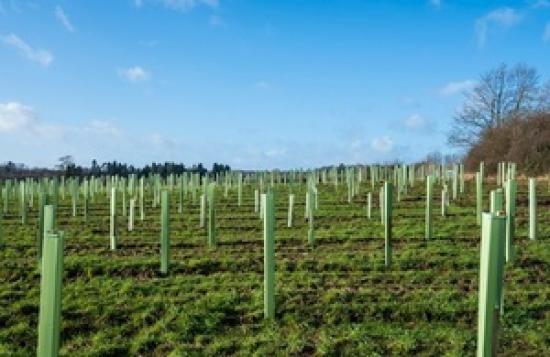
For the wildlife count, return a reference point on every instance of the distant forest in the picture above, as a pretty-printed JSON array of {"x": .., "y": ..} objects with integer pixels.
[{"x": 67, "y": 167}]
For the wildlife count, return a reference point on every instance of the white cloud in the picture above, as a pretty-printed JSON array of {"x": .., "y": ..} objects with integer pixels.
[
  {"x": 453, "y": 88},
  {"x": 546, "y": 34},
  {"x": 21, "y": 118},
  {"x": 40, "y": 56},
  {"x": 134, "y": 74},
  {"x": 419, "y": 124},
  {"x": 40, "y": 142},
  {"x": 180, "y": 5},
  {"x": 504, "y": 17},
  {"x": 162, "y": 142},
  {"x": 102, "y": 127},
  {"x": 64, "y": 19},
  {"x": 273, "y": 153},
  {"x": 382, "y": 144},
  {"x": 15, "y": 116},
  {"x": 415, "y": 121}
]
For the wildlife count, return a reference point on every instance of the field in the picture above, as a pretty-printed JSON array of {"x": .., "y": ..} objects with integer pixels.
[{"x": 336, "y": 298}]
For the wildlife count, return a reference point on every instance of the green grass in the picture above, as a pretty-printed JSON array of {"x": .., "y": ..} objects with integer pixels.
[{"x": 335, "y": 299}]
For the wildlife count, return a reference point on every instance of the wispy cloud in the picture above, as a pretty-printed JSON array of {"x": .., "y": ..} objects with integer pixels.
[
  {"x": 435, "y": 3},
  {"x": 134, "y": 74},
  {"x": 453, "y": 88},
  {"x": 546, "y": 34},
  {"x": 19, "y": 118},
  {"x": 44, "y": 140},
  {"x": 382, "y": 144},
  {"x": 102, "y": 127},
  {"x": 415, "y": 121},
  {"x": 419, "y": 124},
  {"x": 504, "y": 17},
  {"x": 180, "y": 5},
  {"x": 15, "y": 116},
  {"x": 150, "y": 43},
  {"x": 216, "y": 21},
  {"x": 162, "y": 142},
  {"x": 64, "y": 19},
  {"x": 274, "y": 153},
  {"x": 40, "y": 56},
  {"x": 541, "y": 4}
]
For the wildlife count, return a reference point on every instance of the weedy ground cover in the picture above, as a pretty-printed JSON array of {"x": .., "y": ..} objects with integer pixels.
[{"x": 335, "y": 298}]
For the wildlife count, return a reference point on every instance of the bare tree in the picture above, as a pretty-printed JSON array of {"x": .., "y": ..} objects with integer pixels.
[
  {"x": 65, "y": 162},
  {"x": 450, "y": 159},
  {"x": 544, "y": 98},
  {"x": 502, "y": 93},
  {"x": 434, "y": 157}
]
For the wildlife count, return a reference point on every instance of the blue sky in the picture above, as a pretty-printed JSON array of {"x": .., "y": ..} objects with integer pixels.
[{"x": 255, "y": 84}]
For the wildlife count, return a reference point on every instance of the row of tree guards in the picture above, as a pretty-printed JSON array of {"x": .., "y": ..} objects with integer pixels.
[{"x": 497, "y": 226}]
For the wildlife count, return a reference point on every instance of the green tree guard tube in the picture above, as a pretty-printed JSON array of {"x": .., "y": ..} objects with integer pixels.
[
  {"x": 497, "y": 201},
  {"x": 256, "y": 201},
  {"x": 381, "y": 204},
  {"x": 142, "y": 198},
  {"x": 388, "y": 201},
  {"x": 113, "y": 222},
  {"x": 240, "y": 190},
  {"x": 492, "y": 235},
  {"x": 49, "y": 220},
  {"x": 202, "y": 218},
  {"x": 497, "y": 206},
  {"x": 269, "y": 255},
  {"x": 479, "y": 196},
  {"x": 306, "y": 206},
  {"x": 482, "y": 169},
  {"x": 131, "y": 215},
  {"x": 124, "y": 206},
  {"x": 461, "y": 168},
  {"x": 23, "y": 203},
  {"x": 51, "y": 280},
  {"x": 369, "y": 205},
  {"x": 181, "y": 196},
  {"x": 311, "y": 229},
  {"x": 165, "y": 233},
  {"x": 444, "y": 202},
  {"x": 74, "y": 195},
  {"x": 212, "y": 241},
  {"x": 86, "y": 200},
  {"x": 290, "y": 210},
  {"x": 429, "y": 195},
  {"x": 42, "y": 201},
  {"x": 511, "y": 189},
  {"x": 532, "y": 208},
  {"x": 6, "y": 194}
]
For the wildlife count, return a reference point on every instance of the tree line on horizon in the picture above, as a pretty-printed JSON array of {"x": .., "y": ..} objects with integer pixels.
[{"x": 68, "y": 168}]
